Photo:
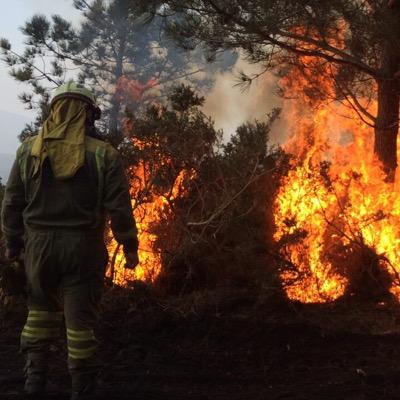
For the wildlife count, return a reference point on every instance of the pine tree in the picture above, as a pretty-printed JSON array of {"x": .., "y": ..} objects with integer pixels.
[
  {"x": 116, "y": 40},
  {"x": 361, "y": 39}
]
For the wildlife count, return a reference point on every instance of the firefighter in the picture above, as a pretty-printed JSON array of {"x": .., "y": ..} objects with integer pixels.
[{"x": 64, "y": 183}]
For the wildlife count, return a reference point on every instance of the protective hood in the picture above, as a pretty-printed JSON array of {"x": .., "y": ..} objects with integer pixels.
[{"x": 62, "y": 138}]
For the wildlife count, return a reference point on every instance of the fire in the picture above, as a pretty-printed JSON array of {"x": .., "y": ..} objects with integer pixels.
[
  {"x": 152, "y": 210},
  {"x": 335, "y": 200},
  {"x": 131, "y": 90},
  {"x": 346, "y": 203}
]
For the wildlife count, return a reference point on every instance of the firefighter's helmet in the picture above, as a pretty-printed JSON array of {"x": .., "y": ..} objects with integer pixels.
[{"x": 77, "y": 91}]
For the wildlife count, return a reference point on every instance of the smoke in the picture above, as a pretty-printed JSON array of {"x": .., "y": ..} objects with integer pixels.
[{"x": 230, "y": 106}]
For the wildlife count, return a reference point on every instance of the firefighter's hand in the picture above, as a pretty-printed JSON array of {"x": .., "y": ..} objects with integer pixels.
[
  {"x": 13, "y": 254},
  {"x": 132, "y": 259}
]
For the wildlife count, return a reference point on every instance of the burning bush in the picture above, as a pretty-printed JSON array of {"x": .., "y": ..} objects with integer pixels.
[
  {"x": 367, "y": 275},
  {"x": 200, "y": 204},
  {"x": 326, "y": 253},
  {"x": 226, "y": 224},
  {"x": 336, "y": 216}
]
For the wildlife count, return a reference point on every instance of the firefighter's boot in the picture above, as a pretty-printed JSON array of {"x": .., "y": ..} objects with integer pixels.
[
  {"x": 35, "y": 373},
  {"x": 84, "y": 386},
  {"x": 84, "y": 378}
]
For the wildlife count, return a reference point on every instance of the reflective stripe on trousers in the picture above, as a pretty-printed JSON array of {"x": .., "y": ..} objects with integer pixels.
[
  {"x": 82, "y": 344},
  {"x": 43, "y": 326},
  {"x": 40, "y": 327}
]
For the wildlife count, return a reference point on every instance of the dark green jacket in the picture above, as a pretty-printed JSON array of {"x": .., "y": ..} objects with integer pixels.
[{"x": 35, "y": 200}]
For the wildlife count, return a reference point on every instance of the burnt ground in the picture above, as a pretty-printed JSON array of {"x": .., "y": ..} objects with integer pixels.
[{"x": 222, "y": 346}]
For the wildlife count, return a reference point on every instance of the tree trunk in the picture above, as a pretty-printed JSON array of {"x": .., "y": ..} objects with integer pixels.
[
  {"x": 387, "y": 125},
  {"x": 387, "y": 122}
]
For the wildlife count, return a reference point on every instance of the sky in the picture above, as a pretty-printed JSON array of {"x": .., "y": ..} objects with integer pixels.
[
  {"x": 226, "y": 104},
  {"x": 13, "y": 115},
  {"x": 12, "y": 18}
]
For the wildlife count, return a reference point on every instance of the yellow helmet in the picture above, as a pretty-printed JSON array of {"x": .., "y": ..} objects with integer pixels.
[{"x": 76, "y": 91}]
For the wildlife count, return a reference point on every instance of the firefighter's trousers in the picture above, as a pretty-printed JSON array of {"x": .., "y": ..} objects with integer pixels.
[{"x": 64, "y": 271}]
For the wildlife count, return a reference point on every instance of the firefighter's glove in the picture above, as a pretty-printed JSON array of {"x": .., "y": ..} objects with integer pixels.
[
  {"x": 131, "y": 253},
  {"x": 132, "y": 259}
]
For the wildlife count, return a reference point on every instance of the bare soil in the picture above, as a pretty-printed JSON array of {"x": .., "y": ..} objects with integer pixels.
[{"x": 227, "y": 346}]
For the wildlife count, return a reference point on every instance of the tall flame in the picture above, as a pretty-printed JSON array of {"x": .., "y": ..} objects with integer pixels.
[{"x": 334, "y": 197}]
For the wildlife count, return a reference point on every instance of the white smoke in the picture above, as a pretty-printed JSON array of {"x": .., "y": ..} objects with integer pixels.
[{"x": 230, "y": 106}]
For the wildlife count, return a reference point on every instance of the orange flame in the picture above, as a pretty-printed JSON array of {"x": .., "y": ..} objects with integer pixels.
[
  {"x": 132, "y": 90},
  {"x": 148, "y": 213},
  {"x": 334, "y": 194},
  {"x": 149, "y": 208}
]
